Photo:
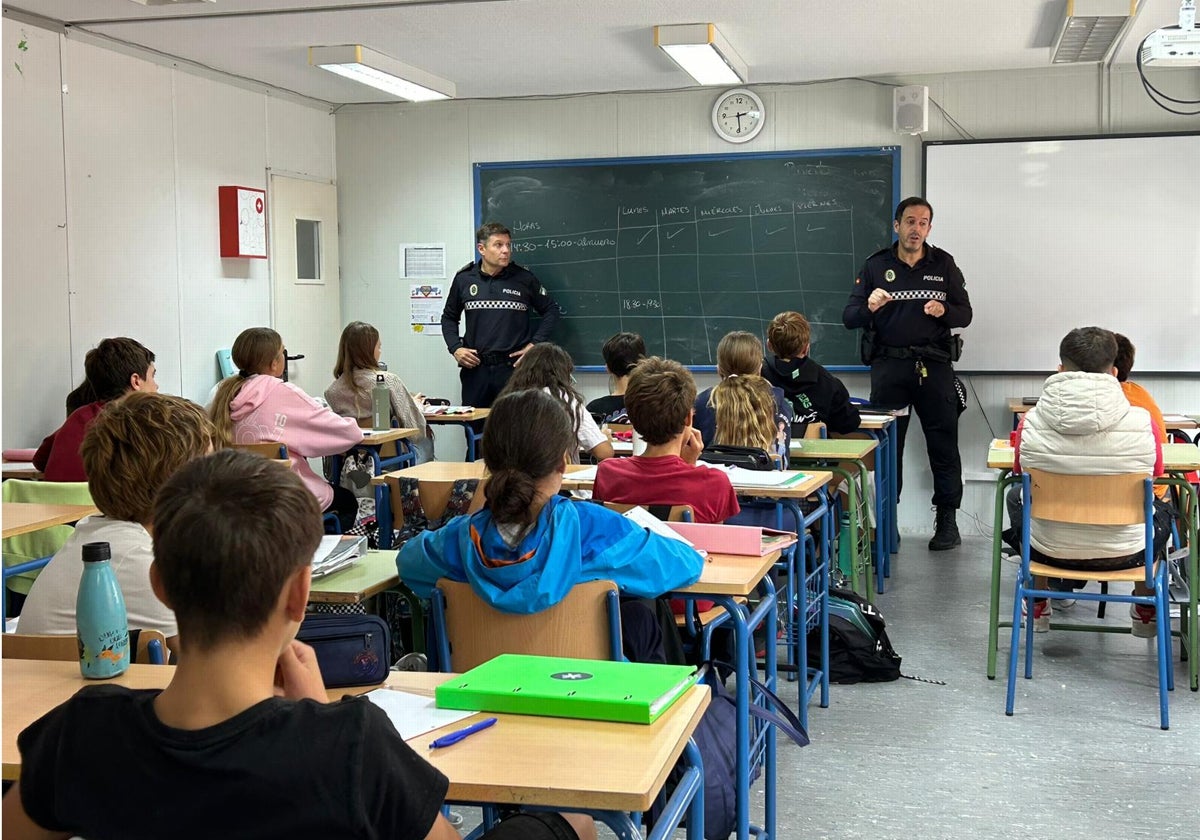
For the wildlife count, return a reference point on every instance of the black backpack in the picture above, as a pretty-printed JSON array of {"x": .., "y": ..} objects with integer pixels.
[
  {"x": 747, "y": 457},
  {"x": 859, "y": 648}
]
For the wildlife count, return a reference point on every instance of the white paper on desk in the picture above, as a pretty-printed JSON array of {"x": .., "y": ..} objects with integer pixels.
[
  {"x": 337, "y": 552},
  {"x": 413, "y": 714},
  {"x": 878, "y": 418},
  {"x": 586, "y": 474},
  {"x": 742, "y": 477},
  {"x": 654, "y": 525}
]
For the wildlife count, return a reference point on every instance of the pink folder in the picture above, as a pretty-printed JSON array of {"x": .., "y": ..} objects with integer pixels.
[{"x": 733, "y": 539}]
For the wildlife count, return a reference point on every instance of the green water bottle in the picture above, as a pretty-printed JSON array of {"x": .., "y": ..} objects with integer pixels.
[
  {"x": 844, "y": 537},
  {"x": 101, "y": 623},
  {"x": 381, "y": 404}
]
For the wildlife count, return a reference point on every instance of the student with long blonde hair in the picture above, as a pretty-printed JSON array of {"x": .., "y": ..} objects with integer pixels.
[
  {"x": 745, "y": 412},
  {"x": 740, "y": 354},
  {"x": 355, "y": 375},
  {"x": 256, "y": 405}
]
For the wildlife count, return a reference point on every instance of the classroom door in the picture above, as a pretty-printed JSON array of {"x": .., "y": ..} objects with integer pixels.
[{"x": 306, "y": 302}]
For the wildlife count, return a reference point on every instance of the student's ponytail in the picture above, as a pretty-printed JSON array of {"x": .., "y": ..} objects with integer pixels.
[
  {"x": 525, "y": 439},
  {"x": 253, "y": 352}
]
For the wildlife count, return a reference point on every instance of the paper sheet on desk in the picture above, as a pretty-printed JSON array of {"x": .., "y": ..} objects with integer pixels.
[
  {"x": 655, "y": 525},
  {"x": 413, "y": 714}
]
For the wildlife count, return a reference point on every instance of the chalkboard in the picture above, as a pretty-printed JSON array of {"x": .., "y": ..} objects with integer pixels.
[{"x": 685, "y": 249}]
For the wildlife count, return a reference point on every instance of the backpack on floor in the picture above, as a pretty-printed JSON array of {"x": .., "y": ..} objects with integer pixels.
[{"x": 859, "y": 648}]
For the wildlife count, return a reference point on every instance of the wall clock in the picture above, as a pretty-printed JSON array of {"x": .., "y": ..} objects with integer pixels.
[{"x": 738, "y": 115}]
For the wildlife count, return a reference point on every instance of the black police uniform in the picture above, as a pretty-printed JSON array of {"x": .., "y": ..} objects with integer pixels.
[
  {"x": 498, "y": 323},
  {"x": 911, "y": 359}
]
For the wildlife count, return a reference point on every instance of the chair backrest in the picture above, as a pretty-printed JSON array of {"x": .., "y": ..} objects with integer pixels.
[
  {"x": 66, "y": 648},
  {"x": 225, "y": 363},
  {"x": 815, "y": 431},
  {"x": 667, "y": 513},
  {"x": 583, "y": 625},
  {"x": 267, "y": 449},
  {"x": 1088, "y": 499}
]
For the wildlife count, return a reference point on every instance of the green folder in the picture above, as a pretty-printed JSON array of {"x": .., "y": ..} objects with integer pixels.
[{"x": 595, "y": 689}]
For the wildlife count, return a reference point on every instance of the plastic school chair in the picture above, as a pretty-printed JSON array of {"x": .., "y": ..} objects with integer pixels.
[
  {"x": 1113, "y": 500},
  {"x": 275, "y": 451}
]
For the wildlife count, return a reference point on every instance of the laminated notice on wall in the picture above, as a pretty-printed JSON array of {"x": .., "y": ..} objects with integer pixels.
[{"x": 426, "y": 300}]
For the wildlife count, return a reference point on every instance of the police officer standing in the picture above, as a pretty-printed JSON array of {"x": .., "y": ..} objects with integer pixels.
[
  {"x": 497, "y": 295},
  {"x": 907, "y": 298}
]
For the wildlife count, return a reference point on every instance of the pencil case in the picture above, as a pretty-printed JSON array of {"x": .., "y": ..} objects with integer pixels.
[{"x": 350, "y": 649}]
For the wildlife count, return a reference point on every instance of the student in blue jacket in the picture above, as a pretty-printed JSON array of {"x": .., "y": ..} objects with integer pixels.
[{"x": 529, "y": 546}]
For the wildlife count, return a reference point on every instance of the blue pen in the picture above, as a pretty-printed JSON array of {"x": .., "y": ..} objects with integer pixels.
[{"x": 455, "y": 737}]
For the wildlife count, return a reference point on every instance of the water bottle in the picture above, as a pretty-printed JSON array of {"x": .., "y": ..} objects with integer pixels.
[
  {"x": 102, "y": 626},
  {"x": 381, "y": 404}
]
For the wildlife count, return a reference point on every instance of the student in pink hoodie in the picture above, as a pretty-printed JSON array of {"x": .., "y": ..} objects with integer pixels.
[{"x": 256, "y": 405}]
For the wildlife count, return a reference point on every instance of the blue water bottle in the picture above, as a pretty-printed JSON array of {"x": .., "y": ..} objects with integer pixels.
[{"x": 102, "y": 625}]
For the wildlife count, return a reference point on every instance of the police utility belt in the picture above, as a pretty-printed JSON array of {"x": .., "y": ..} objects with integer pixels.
[
  {"x": 871, "y": 350},
  {"x": 493, "y": 358}
]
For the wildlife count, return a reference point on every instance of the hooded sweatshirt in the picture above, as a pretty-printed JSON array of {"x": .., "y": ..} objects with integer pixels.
[
  {"x": 1083, "y": 425},
  {"x": 816, "y": 395},
  {"x": 571, "y": 542},
  {"x": 269, "y": 409}
]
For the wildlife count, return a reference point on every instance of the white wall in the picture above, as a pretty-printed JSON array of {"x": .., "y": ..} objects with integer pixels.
[
  {"x": 111, "y": 169},
  {"x": 405, "y": 176}
]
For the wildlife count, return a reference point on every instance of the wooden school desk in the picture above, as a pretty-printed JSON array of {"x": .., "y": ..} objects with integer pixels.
[
  {"x": 1178, "y": 458},
  {"x": 370, "y": 575},
  {"x": 464, "y": 420},
  {"x": 1172, "y": 422},
  {"x": 818, "y": 451},
  {"x": 25, "y": 517},
  {"x": 21, "y": 469},
  {"x": 519, "y": 761}
]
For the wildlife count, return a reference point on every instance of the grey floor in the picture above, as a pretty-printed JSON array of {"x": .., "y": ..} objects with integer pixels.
[{"x": 1083, "y": 756}]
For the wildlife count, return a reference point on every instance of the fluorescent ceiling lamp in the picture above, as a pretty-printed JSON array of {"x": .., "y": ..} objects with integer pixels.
[
  {"x": 702, "y": 52},
  {"x": 369, "y": 67},
  {"x": 1090, "y": 28}
]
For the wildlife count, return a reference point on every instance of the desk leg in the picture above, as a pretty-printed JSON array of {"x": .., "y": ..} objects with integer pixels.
[
  {"x": 1003, "y": 482},
  {"x": 893, "y": 434},
  {"x": 884, "y": 504}
]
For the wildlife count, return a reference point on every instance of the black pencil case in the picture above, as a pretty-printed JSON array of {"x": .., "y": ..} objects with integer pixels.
[{"x": 351, "y": 649}]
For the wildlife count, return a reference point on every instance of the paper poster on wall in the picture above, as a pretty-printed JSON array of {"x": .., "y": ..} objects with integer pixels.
[
  {"x": 426, "y": 300},
  {"x": 423, "y": 261}
]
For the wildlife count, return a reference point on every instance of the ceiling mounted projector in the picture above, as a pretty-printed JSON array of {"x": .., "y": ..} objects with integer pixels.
[{"x": 1172, "y": 48}]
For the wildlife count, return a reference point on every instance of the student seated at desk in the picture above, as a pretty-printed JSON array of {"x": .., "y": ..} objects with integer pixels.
[
  {"x": 242, "y": 742},
  {"x": 350, "y": 393},
  {"x": 549, "y": 367},
  {"x": 256, "y": 405},
  {"x": 525, "y": 551},
  {"x": 659, "y": 400},
  {"x": 1083, "y": 425},
  {"x": 129, "y": 451},
  {"x": 621, "y": 352},
  {"x": 815, "y": 394},
  {"x": 746, "y": 416},
  {"x": 740, "y": 353},
  {"x": 112, "y": 368}
]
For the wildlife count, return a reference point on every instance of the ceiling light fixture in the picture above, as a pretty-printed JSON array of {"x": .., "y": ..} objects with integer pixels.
[
  {"x": 702, "y": 52},
  {"x": 368, "y": 67},
  {"x": 1090, "y": 28}
]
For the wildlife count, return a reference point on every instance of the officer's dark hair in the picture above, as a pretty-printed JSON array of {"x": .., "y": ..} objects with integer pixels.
[
  {"x": 1124, "y": 360},
  {"x": 489, "y": 230},
  {"x": 622, "y": 351},
  {"x": 913, "y": 201},
  {"x": 1088, "y": 349}
]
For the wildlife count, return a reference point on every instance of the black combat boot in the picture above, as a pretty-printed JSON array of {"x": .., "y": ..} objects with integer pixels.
[{"x": 945, "y": 532}]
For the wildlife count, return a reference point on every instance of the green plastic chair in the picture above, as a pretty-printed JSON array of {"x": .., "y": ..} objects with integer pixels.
[{"x": 36, "y": 545}]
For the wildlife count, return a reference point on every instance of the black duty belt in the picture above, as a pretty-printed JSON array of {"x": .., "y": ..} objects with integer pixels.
[
  {"x": 491, "y": 358},
  {"x": 923, "y": 351}
]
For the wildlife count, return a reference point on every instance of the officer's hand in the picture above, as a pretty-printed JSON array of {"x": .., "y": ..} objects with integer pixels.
[
  {"x": 466, "y": 357},
  {"x": 517, "y": 355},
  {"x": 935, "y": 308},
  {"x": 878, "y": 299}
]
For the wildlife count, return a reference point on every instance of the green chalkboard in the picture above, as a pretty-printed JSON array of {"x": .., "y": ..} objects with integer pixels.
[{"x": 683, "y": 250}]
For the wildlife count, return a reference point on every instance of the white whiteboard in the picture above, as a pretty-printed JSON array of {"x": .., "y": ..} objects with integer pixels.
[{"x": 1056, "y": 234}]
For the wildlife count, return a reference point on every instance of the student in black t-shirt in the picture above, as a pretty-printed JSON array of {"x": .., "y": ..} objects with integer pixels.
[
  {"x": 242, "y": 742},
  {"x": 621, "y": 352}
]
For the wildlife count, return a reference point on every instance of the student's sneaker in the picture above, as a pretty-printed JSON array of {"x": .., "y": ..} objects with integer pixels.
[
  {"x": 1144, "y": 621},
  {"x": 1041, "y": 616}
]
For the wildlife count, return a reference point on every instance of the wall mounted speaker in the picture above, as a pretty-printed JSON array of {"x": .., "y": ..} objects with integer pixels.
[{"x": 910, "y": 109}]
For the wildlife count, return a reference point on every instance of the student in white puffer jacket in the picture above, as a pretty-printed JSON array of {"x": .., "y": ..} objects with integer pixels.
[{"x": 1083, "y": 425}]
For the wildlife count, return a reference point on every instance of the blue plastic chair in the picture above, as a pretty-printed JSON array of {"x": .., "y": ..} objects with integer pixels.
[
  {"x": 1112, "y": 500},
  {"x": 225, "y": 363}
]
